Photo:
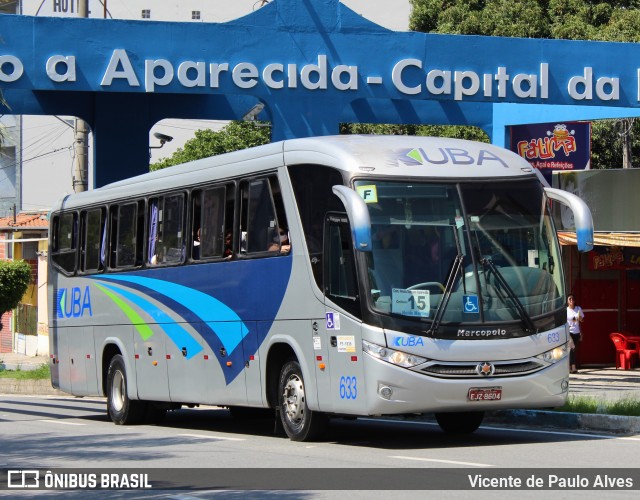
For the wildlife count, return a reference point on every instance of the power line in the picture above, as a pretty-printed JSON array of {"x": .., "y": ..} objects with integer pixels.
[{"x": 68, "y": 148}]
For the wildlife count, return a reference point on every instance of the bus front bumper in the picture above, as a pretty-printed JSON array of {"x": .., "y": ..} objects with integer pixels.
[{"x": 392, "y": 390}]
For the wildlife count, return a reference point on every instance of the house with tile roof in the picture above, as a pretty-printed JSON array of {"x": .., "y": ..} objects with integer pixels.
[{"x": 24, "y": 236}]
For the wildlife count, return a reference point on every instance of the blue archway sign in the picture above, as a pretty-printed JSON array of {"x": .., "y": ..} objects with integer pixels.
[{"x": 313, "y": 64}]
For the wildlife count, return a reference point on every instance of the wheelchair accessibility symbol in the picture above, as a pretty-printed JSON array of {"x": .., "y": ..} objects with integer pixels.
[{"x": 470, "y": 304}]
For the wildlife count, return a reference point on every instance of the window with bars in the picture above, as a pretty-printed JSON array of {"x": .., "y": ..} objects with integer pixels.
[
  {"x": 195, "y": 15},
  {"x": 146, "y": 13}
]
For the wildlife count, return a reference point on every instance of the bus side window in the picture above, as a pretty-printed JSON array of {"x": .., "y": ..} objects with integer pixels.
[
  {"x": 166, "y": 229},
  {"x": 92, "y": 227},
  {"x": 212, "y": 243},
  {"x": 64, "y": 241},
  {"x": 312, "y": 186},
  {"x": 281, "y": 217},
  {"x": 127, "y": 223},
  {"x": 340, "y": 280},
  {"x": 259, "y": 226},
  {"x": 126, "y": 240}
]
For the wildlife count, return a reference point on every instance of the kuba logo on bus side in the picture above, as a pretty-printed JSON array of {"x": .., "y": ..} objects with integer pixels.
[{"x": 73, "y": 302}]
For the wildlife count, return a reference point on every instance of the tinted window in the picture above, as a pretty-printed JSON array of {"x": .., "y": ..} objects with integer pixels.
[
  {"x": 64, "y": 238},
  {"x": 126, "y": 236},
  {"x": 166, "y": 229},
  {"x": 312, "y": 187},
  {"x": 341, "y": 284},
  {"x": 259, "y": 224},
  {"x": 93, "y": 236}
]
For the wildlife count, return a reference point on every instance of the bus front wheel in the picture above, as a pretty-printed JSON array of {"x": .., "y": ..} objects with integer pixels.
[
  {"x": 299, "y": 422},
  {"x": 464, "y": 422},
  {"x": 121, "y": 409}
]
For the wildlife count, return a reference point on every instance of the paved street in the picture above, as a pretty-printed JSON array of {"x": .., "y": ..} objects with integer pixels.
[
  {"x": 66, "y": 432},
  {"x": 57, "y": 431}
]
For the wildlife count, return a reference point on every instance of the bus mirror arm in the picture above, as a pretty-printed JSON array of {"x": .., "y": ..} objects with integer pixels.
[
  {"x": 358, "y": 214},
  {"x": 581, "y": 216}
]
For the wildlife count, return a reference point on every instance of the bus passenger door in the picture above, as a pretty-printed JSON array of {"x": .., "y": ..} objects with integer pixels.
[
  {"x": 151, "y": 366},
  {"x": 343, "y": 332}
]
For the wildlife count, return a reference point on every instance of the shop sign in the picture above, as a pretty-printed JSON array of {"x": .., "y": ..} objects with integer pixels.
[
  {"x": 606, "y": 258},
  {"x": 553, "y": 146}
]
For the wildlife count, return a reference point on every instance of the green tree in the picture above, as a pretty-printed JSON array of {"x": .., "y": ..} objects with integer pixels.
[
  {"x": 607, "y": 142},
  {"x": 455, "y": 131},
  {"x": 15, "y": 276},
  {"x": 612, "y": 20},
  {"x": 232, "y": 137}
]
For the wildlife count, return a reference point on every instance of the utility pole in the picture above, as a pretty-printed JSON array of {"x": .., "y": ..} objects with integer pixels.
[
  {"x": 81, "y": 147},
  {"x": 627, "y": 138}
]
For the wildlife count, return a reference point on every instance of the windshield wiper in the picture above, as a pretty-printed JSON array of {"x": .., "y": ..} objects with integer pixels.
[
  {"x": 527, "y": 322},
  {"x": 437, "y": 317},
  {"x": 455, "y": 268}
]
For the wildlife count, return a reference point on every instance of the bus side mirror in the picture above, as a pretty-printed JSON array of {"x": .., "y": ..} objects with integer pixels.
[
  {"x": 581, "y": 216},
  {"x": 358, "y": 214}
]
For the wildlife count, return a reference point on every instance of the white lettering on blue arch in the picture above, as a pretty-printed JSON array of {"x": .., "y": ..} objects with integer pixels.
[{"x": 450, "y": 156}]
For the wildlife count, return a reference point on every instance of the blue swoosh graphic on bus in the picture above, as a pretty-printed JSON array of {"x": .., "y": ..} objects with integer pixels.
[
  {"x": 178, "y": 335},
  {"x": 197, "y": 302}
]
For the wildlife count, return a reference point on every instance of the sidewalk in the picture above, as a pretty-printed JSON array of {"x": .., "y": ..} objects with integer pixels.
[{"x": 15, "y": 361}]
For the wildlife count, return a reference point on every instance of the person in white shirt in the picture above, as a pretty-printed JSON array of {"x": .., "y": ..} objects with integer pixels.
[{"x": 575, "y": 316}]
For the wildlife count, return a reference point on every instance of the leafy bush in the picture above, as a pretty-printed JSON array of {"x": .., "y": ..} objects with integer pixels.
[{"x": 15, "y": 276}]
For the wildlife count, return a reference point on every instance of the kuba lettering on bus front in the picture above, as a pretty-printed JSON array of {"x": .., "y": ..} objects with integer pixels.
[{"x": 447, "y": 156}]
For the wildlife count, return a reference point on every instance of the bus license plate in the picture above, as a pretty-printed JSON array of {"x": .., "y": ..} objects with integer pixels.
[{"x": 485, "y": 394}]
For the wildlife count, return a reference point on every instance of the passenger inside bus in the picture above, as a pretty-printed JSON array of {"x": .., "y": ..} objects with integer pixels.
[
  {"x": 228, "y": 245},
  {"x": 195, "y": 254},
  {"x": 280, "y": 242}
]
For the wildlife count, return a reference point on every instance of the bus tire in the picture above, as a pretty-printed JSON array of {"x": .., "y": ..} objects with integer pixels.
[
  {"x": 463, "y": 422},
  {"x": 299, "y": 422},
  {"x": 121, "y": 409}
]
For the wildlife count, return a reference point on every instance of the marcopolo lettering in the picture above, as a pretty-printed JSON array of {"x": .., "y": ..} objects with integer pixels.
[
  {"x": 463, "y": 332},
  {"x": 73, "y": 302}
]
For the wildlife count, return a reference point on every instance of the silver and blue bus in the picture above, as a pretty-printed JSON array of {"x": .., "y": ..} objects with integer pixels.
[{"x": 320, "y": 278}]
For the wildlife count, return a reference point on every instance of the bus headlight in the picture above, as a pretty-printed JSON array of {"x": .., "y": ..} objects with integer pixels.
[
  {"x": 399, "y": 358},
  {"x": 555, "y": 354}
]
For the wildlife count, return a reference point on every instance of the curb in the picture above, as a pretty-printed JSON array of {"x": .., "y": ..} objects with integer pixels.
[
  {"x": 38, "y": 387},
  {"x": 615, "y": 424}
]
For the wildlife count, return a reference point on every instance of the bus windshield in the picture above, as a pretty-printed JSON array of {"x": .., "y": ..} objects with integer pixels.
[{"x": 466, "y": 252}]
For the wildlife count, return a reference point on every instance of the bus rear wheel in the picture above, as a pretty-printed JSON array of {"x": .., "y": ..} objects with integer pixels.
[
  {"x": 299, "y": 422},
  {"x": 121, "y": 409},
  {"x": 464, "y": 422}
]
